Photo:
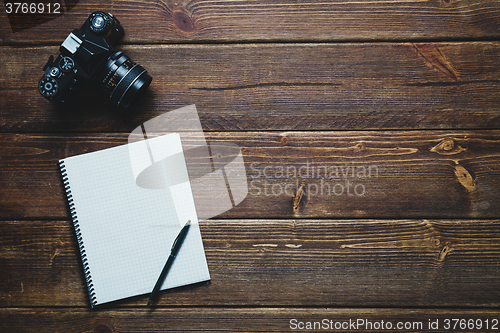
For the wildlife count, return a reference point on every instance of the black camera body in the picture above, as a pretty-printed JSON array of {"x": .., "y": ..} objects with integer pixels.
[{"x": 88, "y": 54}]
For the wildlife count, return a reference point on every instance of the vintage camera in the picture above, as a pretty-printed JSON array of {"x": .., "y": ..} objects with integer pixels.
[{"x": 88, "y": 54}]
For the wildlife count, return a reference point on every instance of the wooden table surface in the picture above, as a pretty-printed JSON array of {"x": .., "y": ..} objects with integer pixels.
[{"x": 406, "y": 89}]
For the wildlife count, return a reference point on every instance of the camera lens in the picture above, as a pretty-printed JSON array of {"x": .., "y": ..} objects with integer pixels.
[{"x": 124, "y": 80}]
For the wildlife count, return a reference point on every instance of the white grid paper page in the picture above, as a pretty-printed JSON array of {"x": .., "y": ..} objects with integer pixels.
[{"x": 127, "y": 231}]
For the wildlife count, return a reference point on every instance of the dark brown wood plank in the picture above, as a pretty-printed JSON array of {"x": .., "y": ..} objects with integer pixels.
[
  {"x": 335, "y": 263},
  {"x": 276, "y": 87},
  {"x": 180, "y": 21},
  {"x": 395, "y": 174},
  {"x": 244, "y": 320}
]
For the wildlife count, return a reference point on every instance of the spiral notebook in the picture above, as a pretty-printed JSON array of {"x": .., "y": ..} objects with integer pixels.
[{"x": 124, "y": 231}]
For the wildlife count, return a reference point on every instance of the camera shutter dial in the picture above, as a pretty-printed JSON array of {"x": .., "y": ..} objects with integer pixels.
[
  {"x": 99, "y": 22},
  {"x": 66, "y": 64},
  {"x": 48, "y": 86}
]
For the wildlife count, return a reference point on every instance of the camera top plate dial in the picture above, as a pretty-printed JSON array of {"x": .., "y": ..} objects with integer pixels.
[
  {"x": 48, "y": 86},
  {"x": 66, "y": 64},
  {"x": 100, "y": 22}
]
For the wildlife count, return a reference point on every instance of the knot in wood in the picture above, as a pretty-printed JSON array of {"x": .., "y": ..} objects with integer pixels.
[
  {"x": 444, "y": 252},
  {"x": 360, "y": 146},
  {"x": 447, "y": 147},
  {"x": 283, "y": 140},
  {"x": 435, "y": 241},
  {"x": 448, "y": 144},
  {"x": 183, "y": 21},
  {"x": 465, "y": 178},
  {"x": 298, "y": 197}
]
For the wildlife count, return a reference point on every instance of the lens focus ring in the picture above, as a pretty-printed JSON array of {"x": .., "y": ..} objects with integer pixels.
[
  {"x": 124, "y": 80},
  {"x": 127, "y": 89}
]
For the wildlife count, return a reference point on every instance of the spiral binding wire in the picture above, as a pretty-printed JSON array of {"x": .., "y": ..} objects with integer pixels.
[{"x": 72, "y": 209}]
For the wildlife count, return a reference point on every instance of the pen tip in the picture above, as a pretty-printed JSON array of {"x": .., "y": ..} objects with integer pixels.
[{"x": 188, "y": 222}]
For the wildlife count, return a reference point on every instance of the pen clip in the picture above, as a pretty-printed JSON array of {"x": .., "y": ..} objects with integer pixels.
[{"x": 179, "y": 234}]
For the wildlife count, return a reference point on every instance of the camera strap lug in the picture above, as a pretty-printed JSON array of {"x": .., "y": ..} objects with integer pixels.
[{"x": 49, "y": 63}]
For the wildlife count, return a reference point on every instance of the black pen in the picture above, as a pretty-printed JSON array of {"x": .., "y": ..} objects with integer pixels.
[{"x": 173, "y": 253}]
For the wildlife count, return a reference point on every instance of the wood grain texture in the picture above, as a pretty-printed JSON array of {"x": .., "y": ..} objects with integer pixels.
[
  {"x": 409, "y": 174},
  {"x": 223, "y": 21},
  {"x": 400, "y": 98},
  {"x": 226, "y": 320},
  {"x": 313, "y": 263},
  {"x": 276, "y": 87}
]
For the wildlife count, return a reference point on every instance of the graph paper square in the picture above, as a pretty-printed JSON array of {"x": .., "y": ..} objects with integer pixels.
[{"x": 125, "y": 232}]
